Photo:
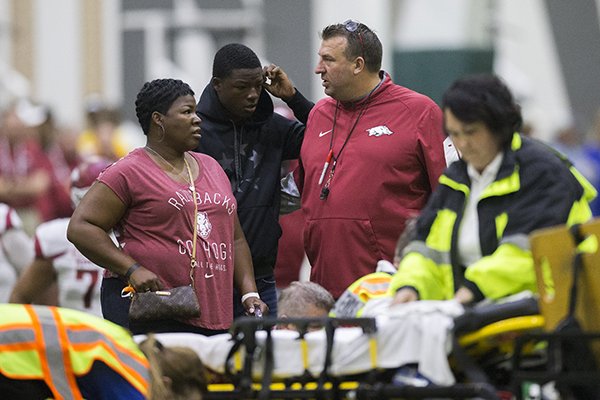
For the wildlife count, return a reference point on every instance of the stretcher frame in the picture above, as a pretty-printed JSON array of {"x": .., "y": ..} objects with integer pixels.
[
  {"x": 556, "y": 251},
  {"x": 553, "y": 247},
  {"x": 370, "y": 385}
]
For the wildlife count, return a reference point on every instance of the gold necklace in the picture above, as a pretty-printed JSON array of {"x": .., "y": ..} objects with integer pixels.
[
  {"x": 173, "y": 169},
  {"x": 193, "y": 263}
]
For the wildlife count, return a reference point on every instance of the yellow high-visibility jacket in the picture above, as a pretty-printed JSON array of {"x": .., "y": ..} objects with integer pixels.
[
  {"x": 352, "y": 302},
  {"x": 535, "y": 188},
  {"x": 57, "y": 345}
]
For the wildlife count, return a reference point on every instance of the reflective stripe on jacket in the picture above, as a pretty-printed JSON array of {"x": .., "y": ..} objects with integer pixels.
[
  {"x": 57, "y": 345},
  {"x": 353, "y": 300}
]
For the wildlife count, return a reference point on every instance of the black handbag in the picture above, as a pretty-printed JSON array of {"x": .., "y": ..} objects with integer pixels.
[{"x": 177, "y": 303}]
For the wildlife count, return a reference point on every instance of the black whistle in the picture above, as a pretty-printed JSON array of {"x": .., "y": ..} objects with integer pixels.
[{"x": 324, "y": 193}]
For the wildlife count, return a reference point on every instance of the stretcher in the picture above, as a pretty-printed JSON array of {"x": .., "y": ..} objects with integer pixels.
[
  {"x": 492, "y": 351},
  {"x": 357, "y": 357}
]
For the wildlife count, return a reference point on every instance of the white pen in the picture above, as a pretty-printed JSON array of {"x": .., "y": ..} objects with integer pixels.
[{"x": 326, "y": 165}]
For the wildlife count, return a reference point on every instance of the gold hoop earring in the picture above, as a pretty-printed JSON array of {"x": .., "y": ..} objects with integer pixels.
[{"x": 163, "y": 134}]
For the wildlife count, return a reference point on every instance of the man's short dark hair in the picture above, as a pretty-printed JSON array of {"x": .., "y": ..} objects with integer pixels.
[
  {"x": 234, "y": 56},
  {"x": 158, "y": 95},
  {"x": 362, "y": 41}
]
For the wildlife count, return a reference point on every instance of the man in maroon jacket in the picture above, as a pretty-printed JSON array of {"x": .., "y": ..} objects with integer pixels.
[{"x": 372, "y": 154}]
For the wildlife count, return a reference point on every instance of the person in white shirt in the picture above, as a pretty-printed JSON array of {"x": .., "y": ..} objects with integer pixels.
[{"x": 16, "y": 250}]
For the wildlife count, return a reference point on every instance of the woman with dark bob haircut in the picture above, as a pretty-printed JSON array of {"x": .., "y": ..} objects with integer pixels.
[
  {"x": 175, "y": 219},
  {"x": 471, "y": 239},
  {"x": 485, "y": 98}
]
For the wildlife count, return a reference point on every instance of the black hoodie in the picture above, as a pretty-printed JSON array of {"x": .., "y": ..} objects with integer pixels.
[{"x": 251, "y": 153}]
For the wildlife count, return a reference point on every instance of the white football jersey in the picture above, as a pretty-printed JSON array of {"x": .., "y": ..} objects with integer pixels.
[
  {"x": 78, "y": 278},
  {"x": 8, "y": 271}
]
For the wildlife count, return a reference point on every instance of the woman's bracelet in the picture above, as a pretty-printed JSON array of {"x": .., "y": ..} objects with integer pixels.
[
  {"x": 131, "y": 270},
  {"x": 248, "y": 295}
]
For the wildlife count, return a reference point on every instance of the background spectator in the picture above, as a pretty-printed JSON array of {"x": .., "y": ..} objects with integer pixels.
[
  {"x": 16, "y": 250},
  {"x": 59, "y": 270},
  {"x": 103, "y": 136}
]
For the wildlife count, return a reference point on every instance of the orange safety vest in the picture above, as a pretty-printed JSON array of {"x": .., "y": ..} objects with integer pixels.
[
  {"x": 352, "y": 302},
  {"x": 57, "y": 345}
]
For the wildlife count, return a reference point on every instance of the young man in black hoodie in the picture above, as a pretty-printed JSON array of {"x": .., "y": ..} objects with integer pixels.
[{"x": 250, "y": 141}]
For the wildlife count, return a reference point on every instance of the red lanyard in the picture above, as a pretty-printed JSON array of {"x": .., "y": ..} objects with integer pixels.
[{"x": 330, "y": 156}]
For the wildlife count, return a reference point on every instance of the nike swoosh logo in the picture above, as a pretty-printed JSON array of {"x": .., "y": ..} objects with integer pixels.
[
  {"x": 324, "y": 133},
  {"x": 207, "y": 275}
]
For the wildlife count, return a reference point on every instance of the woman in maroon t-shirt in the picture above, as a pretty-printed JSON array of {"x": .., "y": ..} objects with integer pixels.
[{"x": 147, "y": 199}]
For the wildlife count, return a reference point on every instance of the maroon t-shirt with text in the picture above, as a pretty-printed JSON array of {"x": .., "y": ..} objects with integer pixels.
[{"x": 157, "y": 228}]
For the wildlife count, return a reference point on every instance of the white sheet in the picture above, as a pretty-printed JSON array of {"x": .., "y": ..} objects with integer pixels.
[{"x": 416, "y": 332}]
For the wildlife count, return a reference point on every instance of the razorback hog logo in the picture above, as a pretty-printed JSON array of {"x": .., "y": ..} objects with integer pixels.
[
  {"x": 204, "y": 225},
  {"x": 379, "y": 130}
]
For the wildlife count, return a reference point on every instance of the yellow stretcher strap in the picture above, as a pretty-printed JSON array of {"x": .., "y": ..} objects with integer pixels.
[{"x": 373, "y": 351}]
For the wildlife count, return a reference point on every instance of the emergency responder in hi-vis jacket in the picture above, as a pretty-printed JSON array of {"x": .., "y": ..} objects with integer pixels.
[
  {"x": 471, "y": 239},
  {"x": 52, "y": 352}
]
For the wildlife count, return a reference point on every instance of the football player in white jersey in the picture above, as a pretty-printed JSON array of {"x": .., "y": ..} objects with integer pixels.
[
  {"x": 58, "y": 262},
  {"x": 16, "y": 250}
]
